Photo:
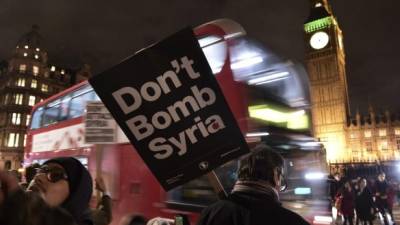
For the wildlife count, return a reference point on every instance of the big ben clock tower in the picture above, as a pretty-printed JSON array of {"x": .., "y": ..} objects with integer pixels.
[{"x": 325, "y": 59}]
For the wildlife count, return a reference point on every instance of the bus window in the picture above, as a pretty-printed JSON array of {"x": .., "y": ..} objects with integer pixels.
[
  {"x": 281, "y": 79},
  {"x": 37, "y": 118},
  {"x": 266, "y": 113},
  {"x": 200, "y": 191},
  {"x": 79, "y": 99},
  {"x": 96, "y": 97},
  {"x": 51, "y": 113},
  {"x": 64, "y": 107},
  {"x": 215, "y": 51}
]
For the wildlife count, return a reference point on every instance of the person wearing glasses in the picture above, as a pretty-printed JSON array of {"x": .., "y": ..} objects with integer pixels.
[
  {"x": 254, "y": 199},
  {"x": 58, "y": 194}
]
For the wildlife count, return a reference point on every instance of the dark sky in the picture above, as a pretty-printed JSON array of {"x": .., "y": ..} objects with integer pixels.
[{"x": 103, "y": 32}]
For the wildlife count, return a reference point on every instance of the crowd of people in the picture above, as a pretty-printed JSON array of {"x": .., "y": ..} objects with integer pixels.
[
  {"x": 363, "y": 198},
  {"x": 59, "y": 191}
]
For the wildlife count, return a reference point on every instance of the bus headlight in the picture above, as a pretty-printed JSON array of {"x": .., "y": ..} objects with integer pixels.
[{"x": 314, "y": 176}]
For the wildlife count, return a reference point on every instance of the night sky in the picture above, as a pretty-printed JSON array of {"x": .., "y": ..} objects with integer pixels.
[{"x": 102, "y": 33}]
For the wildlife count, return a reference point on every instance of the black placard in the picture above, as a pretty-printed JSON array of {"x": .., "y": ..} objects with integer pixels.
[{"x": 168, "y": 103}]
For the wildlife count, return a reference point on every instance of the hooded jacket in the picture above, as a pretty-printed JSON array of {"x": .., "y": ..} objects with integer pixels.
[
  {"x": 28, "y": 208},
  {"x": 249, "y": 208},
  {"x": 80, "y": 189}
]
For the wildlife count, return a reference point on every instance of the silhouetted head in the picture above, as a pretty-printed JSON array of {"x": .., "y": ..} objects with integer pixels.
[{"x": 263, "y": 164}]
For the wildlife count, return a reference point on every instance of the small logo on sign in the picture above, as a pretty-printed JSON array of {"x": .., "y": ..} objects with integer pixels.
[{"x": 203, "y": 165}]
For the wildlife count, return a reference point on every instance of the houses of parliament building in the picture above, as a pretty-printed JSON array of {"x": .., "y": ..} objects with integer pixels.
[{"x": 374, "y": 137}]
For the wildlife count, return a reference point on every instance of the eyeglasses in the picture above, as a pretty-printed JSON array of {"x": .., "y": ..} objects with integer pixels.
[{"x": 53, "y": 174}]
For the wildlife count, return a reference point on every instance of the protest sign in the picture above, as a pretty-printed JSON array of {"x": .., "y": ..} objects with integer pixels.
[
  {"x": 168, "y": 103},
  {"x": 100, "y": 127}
]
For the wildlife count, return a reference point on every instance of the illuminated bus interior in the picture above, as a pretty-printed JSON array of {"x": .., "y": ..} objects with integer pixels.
[
  {"x": 64, "y": 108},
  {"x": 276, "y": 97}
]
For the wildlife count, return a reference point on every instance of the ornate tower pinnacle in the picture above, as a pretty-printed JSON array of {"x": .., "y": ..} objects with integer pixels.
[
  {"x": 321, "y": 3},
  {"x": 387, "y": 115},
  {"x": 371, "y": 112},
  {"x": 358, "y": 117}
]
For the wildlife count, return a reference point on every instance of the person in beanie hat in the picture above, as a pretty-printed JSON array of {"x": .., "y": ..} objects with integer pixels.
[
  {"x": 79, "y": 186},
  {"x": 58, "y": 194},
  {"x": 254, "y": 199}
]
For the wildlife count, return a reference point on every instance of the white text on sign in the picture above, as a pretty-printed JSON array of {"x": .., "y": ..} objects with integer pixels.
[{"x": 143, "y": 126}]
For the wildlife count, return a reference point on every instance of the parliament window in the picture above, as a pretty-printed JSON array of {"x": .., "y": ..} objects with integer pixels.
[
  {"x": 368, "y": 146},
  {"x": 384, "y": 145},
  {"x": 397, "y": 131},
  {"x": 367, "y": 133},
  {"x": 382, "y": 132},
  {"x": 353, "y": 135},
  {"x": 398, "y": 143}
]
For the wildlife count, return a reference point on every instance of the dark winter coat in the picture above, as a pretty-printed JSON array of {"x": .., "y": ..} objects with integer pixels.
[
  {"x": 391, "y": 194},
  {"x": 22, "y": 208},
  {"x": 381, "y": 194},
  {"x": 334, "y": 187},
  {"x": 249, "y": 208},
  {"x": 364, "y": 205},
  {"x": 348, "y": 201}
]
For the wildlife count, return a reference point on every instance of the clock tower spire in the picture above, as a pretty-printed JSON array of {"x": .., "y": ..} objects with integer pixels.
[
  {"x": 321, "y": 3},
  {"x": 325, "y": 59}
]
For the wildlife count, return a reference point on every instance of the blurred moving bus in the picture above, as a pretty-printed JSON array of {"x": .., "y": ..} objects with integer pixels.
[{"x": 268, "y": 96}]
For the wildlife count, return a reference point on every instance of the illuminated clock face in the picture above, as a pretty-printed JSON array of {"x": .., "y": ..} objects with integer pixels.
[{"x": 319, "y": 40}]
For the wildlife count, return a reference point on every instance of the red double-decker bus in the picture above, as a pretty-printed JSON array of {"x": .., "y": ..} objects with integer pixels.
[{"x": 268, "y": 96}]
